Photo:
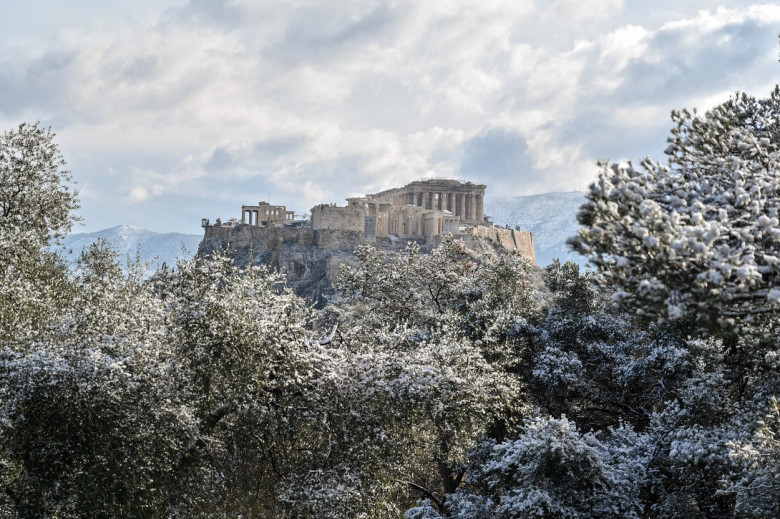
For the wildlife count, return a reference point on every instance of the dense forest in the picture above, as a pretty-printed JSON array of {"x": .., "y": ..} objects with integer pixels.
[{"x": 442, "y": 385}]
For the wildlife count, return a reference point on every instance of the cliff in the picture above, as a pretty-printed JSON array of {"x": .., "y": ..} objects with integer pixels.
[
  {"x": 292, "y": 251},
  {"x": 310, "y": 259}
]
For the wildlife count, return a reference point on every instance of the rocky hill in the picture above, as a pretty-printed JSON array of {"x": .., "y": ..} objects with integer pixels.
[{"x": 550, "y": 216}]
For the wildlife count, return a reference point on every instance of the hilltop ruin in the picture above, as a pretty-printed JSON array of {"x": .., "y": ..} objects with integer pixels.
[
  {"x": 309, "y": 248},
  {"x": 422, "y": 211}
]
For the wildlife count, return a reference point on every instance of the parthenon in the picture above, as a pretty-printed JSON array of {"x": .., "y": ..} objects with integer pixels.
[
  {"x": 461, "y": 199},
  {"x": 424, "y": 208}
]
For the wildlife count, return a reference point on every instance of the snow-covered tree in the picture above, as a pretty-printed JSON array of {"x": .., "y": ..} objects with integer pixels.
[
  {"x": 550, "y": 470},
  {"x": 241, "y": 342},
  {"x": 37, "y": 201},
  {"x": 691, "y": 247},
  {"x": 447, "y": 320},
  {"x": 91, "y": 420},
  {"x": 37, "y": 204},
  {"x": 696, "y": 238}
]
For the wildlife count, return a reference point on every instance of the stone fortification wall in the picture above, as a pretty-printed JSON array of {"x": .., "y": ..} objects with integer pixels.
[
  {"x": 291, "y": 251},
  {"x": 524, "y": 241},
  {"x": 262, "y": 239},
  {"x": 510, "y": 239},
  {"x": 337, "y": 240},
  {"x": 234, "y": 237},
  {"x": 326, "y": 217},
  {"x": 310, "y": 258}
]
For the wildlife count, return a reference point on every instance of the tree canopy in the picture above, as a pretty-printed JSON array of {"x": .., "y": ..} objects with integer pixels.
[{"x": 446, "y": 385}]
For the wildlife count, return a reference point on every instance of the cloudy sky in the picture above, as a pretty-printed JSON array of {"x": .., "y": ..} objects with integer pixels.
[{"x": 168, "y": 111}]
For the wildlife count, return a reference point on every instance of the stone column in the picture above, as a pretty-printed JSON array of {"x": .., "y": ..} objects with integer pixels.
[
  {"x": 469, "y": 207},
  {"x": 480, "y": 207}
]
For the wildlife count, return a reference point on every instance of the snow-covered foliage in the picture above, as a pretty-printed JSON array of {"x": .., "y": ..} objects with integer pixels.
[
  {"x": 696, "y": 238},
  {"x": 551, "y": 470},
  {"x": 36, "y": 199},
  {"x": 445, "y": 322},
  {"x": 37, "y": 202},
  {"x": 92, "y": 421},
  {"x": 442, "y": 385}
]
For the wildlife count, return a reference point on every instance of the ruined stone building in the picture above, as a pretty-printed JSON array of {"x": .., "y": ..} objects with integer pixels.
[
  {"x": 264, "y": 214},
  {"x": 422, "y": 209}
]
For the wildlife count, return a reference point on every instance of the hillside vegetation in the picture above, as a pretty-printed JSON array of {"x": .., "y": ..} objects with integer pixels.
[{"x": 442, "y": 385}]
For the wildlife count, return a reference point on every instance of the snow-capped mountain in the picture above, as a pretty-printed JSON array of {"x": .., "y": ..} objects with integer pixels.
[
  {"x": 552, "y": 217},
  {"x": 153, "y": 248}
]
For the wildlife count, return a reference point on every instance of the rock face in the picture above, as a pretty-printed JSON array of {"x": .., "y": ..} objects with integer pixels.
[
  {"x": 310, "y": 258},
  {"x": 310, "y": 270}
]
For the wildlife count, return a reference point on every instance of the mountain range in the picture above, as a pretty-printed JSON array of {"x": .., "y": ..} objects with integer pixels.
[
  {"x": 153, "y": 248},
  {"x": 550, "y": 216}
]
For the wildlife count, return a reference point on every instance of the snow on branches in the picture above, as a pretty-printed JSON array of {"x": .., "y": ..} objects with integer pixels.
[{"x": 698, "y": 236}]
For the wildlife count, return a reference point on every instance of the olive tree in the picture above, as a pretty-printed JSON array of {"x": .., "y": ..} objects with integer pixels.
[{"x": 37, "y": 204}]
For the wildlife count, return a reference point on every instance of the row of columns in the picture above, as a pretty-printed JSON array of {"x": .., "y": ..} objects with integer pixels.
[
  {"x": 252, "y": 215},
  {"x": 466, "y": 205},
  {"x": 255, "y": 215}
]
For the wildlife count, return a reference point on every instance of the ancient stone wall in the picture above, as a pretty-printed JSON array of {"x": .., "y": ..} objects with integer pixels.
[
  {"x": 325, "y": 216},
  {"x": 510, "y": 239},
  {"x": 233, "y": 237},
  {"x": 524, "y": 241},
  {"x": 333, "y": 239}
]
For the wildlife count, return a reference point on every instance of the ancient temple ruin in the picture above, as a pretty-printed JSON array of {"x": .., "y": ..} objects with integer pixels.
[
  {"x": 264, "y": 214},
  {"x": 422, "y": 209}
]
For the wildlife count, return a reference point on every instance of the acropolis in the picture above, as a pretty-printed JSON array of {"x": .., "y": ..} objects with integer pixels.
[{"x": 422, "y": 211}]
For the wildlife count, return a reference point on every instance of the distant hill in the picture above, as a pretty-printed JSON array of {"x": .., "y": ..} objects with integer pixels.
[
  {"x": 153, "y": 247},
  {"x": 552, "y": 217}
]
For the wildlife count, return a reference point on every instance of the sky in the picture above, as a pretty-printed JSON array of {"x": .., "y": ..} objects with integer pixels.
[{"x": 170, "y": 111}]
